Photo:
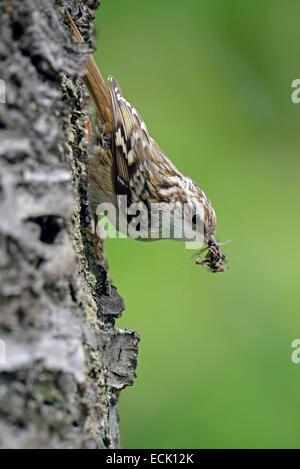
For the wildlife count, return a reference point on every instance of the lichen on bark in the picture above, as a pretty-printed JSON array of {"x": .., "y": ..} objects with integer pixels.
[{"x": 65, "y": 360}]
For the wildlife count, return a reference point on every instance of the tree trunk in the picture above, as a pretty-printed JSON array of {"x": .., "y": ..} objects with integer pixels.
[{"x": 62, "y": 361}]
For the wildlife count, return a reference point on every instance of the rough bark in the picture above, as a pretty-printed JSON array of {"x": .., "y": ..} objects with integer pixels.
[{"x": 65, "y": 360}]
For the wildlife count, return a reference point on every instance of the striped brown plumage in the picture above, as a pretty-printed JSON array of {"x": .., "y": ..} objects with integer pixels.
[{"x": 133, "y": 164}]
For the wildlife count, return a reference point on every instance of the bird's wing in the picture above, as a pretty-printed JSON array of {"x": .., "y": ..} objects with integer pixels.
[{"x": 131, "y": 141}]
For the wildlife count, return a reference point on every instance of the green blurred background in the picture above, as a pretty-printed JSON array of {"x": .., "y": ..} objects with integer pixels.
[{"x": 212, "y": 80}]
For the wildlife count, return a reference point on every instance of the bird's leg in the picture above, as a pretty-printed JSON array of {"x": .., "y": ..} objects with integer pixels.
[{"x": 97, "y": 243}]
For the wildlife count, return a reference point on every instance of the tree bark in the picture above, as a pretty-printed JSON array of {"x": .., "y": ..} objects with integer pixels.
[{"x": 62, "y": 360}]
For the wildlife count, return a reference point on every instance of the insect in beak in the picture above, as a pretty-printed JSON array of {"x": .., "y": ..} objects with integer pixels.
[{"x": 214, "y": 259}]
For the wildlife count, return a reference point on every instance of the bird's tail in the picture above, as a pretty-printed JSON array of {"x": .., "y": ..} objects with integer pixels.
[{"x": 94, "y": 81}]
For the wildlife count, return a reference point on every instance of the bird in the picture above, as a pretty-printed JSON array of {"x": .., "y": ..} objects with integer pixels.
[{"x": 127, "y": 163}]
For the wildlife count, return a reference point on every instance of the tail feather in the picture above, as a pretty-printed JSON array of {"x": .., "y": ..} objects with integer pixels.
[{"x": 94, "y": 81}]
